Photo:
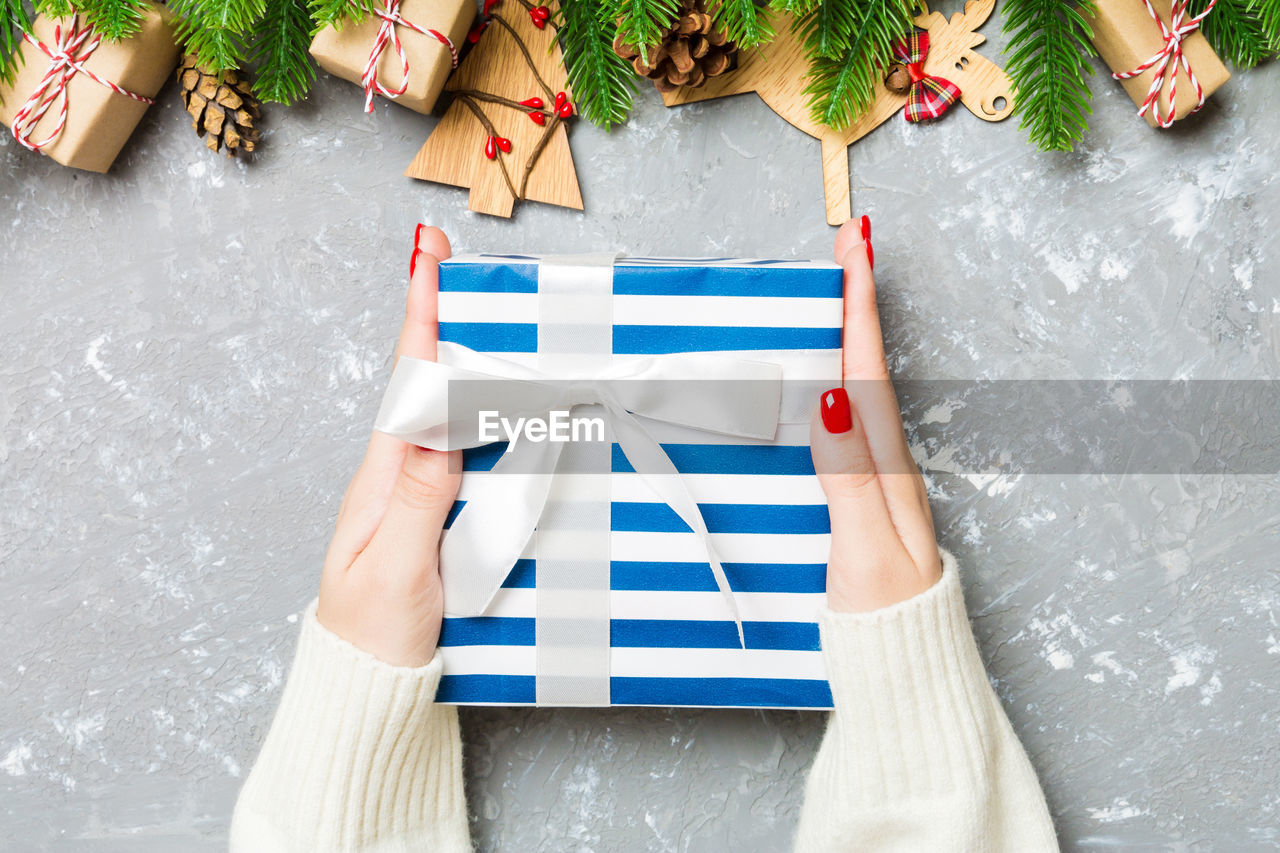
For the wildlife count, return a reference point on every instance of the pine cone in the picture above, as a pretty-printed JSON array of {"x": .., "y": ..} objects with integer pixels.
[
  {"x": 221, "y": 105},
  {"x": 687, "y": 54}
]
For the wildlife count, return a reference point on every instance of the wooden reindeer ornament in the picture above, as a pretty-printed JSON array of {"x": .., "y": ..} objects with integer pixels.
[{"x": 777, "y": 72}]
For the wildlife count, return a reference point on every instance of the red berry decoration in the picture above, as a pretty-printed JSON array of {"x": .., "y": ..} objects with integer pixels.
[
  {"x": 532, "y": 103},
  {"x": 490, "y": 147},
  {"x": 474, "y": 35},
  {"x": 564, "y": 109},
  {"x": 537, "y": 117},
  {"x": 504, "y": 144},
  {"x": 540, "y": 15}
]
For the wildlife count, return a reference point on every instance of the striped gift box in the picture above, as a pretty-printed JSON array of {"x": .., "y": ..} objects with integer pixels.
[{"x": 673, "y": 641}]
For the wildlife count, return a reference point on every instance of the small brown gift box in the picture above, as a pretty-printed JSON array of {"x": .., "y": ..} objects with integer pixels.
[
  {"x": 344, "y": 52},
  {"x": 99, "y": 120},
  {"x": 1126, "y": 36}
]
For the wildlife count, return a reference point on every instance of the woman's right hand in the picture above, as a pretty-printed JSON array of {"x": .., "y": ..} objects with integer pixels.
[{"x": 883, "y": 549}]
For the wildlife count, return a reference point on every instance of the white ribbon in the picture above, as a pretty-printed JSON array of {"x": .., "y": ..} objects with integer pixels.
[{"x": 699, "y": 390}]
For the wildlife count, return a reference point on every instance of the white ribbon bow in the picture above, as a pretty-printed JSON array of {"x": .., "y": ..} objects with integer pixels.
[{"x": 697, "y": 390}]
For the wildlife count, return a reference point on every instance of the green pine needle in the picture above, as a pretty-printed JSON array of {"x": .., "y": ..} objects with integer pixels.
[
  {"x": 280, "y": 42},
  {"x": 602, "y": 82},
  {"x": 113, "y": 19},
  {"x": 798, "y": 8},
  {"x": 216, "y": 30},
  {"x": 14, "y": 21},
  {"x": 1048, "y": 49},
  {"x": 1269, "y": 14},
  {"x": 745, "y": 23},
  {"x": 826, "y": 30},
  {"x": 849, "y": 44},
  {"x": 1237, "y": 31},
  {"x": 54, "y": 8},
  {"x": 839, "y": 89},
  {"x": 337, "y": 12},
  {"x": 640, "y": 23}
]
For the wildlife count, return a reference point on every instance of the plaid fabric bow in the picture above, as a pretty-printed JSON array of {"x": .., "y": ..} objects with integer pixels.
[{"x": 929, "y": 96}]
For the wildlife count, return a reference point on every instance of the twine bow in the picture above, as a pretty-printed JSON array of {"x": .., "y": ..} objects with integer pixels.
[
  {"x": 71, "y": 49},
  {"x": 391, "y": 18},
  {"x": 1168, "y": 59},
  {"x": 929, "y": 96}
]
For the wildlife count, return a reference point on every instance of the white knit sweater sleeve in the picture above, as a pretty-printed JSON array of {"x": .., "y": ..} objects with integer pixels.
[
  {"x": 359, "y": 759},
  {"x": 918, "y": 754}
]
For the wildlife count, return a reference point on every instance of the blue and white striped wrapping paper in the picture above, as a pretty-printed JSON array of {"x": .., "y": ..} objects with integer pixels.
[{"x": 673, "y": 641}]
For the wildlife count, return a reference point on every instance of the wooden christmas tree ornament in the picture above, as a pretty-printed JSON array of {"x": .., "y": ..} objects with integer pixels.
[
  {"x": 778, "y": 73},
  {"x": 503, "y": 135}
]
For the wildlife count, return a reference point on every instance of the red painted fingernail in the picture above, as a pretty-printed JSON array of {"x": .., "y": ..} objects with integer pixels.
[
  {"x": 836, "y": 416},
  {"x": 417, "y": 236},
  {"x": 871, "y": 254},
  {"x": 865, "y": 225},
  {"x": 413, "y": 261}
]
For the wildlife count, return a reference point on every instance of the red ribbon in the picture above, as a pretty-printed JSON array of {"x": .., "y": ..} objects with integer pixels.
[{"x": 929, "y": 96}]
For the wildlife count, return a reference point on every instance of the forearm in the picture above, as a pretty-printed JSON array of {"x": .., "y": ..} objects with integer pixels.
[
  {"x": 359, "y": 759},
  {"x": 918, "y": 754}
]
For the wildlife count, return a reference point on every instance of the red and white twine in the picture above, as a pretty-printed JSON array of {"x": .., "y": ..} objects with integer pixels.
[
  {"x": 387, "y": 34},
  {"x": 1168, "y": 60},
  {"x": 72, "y": 47}
]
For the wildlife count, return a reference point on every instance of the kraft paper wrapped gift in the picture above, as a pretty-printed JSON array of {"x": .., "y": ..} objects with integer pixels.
[
  {"x": 412, "y": 36},
  {"x": 1127, "y": 36},
  {"x": 101, "y": 113},
  {"x": 681, "y": 560}
]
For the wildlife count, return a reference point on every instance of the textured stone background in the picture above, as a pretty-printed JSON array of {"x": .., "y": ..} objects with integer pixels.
[{"x": 192, "y": 350}]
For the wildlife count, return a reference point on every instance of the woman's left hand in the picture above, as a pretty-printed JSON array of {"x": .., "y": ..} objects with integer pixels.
[{"x": 380, "y": 589}]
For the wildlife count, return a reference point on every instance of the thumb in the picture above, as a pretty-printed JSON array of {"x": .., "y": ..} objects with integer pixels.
[
  {"x": 409, "y": 535},
  {"x": 847, "y": 472}
]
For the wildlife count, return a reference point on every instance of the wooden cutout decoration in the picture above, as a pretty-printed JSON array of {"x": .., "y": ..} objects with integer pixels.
[
  {"x": 504, "y": 134},
  {"x": 778, "y": 73}
]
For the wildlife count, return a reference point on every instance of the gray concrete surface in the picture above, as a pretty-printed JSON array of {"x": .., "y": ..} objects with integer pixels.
[{"x": 192, "y": 351}]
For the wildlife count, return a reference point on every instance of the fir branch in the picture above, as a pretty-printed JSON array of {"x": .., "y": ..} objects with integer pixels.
[
  {"x": 1269, "y": 14},
  {"x": 798, "y": 8},
  {"x": 838, "y": 89},
  {"x": 746, "y": 23},
  {"x": 601, "y": 81},
  {"x": 640, "y": 23},
  {"x": 216, "y": 30},
  {"x": 279, "y": 49},
  {"x": 1048, "y": 45},
  {"x": 1236, "y": 30},
  {"x": 14, "y": 21},
  {"x": 826, "y": 31},
  {"x": 849, "y": 43},
  {"x": 337, "y": 12},
  {"x": 54, "y": 8},
  {"x": 113, "y": 19}
]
